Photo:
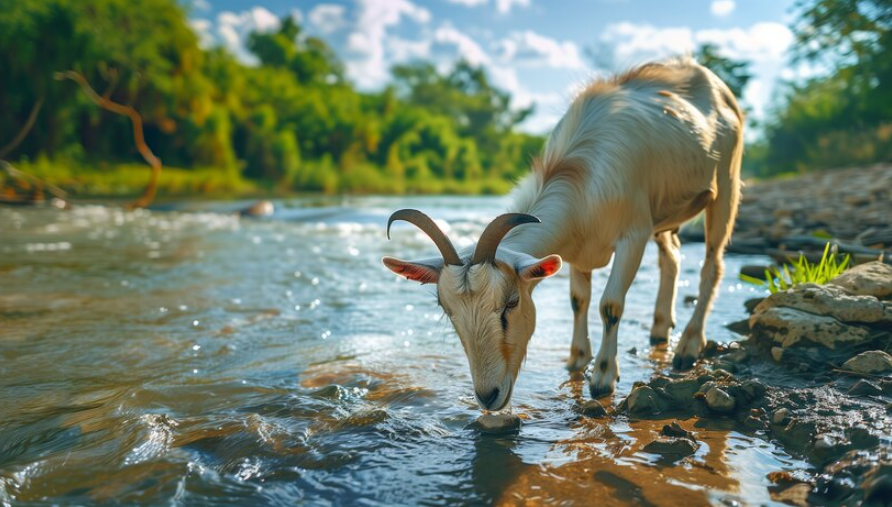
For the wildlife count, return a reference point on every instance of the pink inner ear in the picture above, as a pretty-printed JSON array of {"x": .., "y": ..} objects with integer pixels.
[
  {"x": 550, "y": 265},
  {"x": 416, "y": 272},
  {"x": 543, "y": 269}
]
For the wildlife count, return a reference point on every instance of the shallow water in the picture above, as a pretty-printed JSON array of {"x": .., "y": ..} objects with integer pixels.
[{"x": 189, "y": 357}]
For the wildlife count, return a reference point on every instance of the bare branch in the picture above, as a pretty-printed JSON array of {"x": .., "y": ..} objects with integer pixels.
[
  {"x": 138, "y": 137},
  {"x": 32, "y": 117}
]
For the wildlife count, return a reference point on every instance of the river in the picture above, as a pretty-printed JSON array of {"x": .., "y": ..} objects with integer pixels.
[{"x": 194, "y": 358}]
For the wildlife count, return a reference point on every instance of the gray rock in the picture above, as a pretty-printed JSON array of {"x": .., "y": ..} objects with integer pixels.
[
  {"x": 672, "y": 446},
  {"x": 681, "y": 392},
  {"x": 868, "y": 279},
  {"x": 643, "y": 400},
  {"x": 830, "y": 301},
  {"x": 719, "y": 401},
  {"x": 675, "y": 430},
  {"x": 872, "y": 361},
  {"x": 259, "y": 209},
  {"x": 498, "y": 423},
  {"x": 593, "y": 409},
  {"x": 789, "y": 326},
  {"x": 751, "y": 304}
]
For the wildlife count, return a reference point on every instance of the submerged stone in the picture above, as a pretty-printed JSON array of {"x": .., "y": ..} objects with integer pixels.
[
  {"x": 672, "y": 446},
  {"x": 675, "y": 430},
  {"x": 593, "y": 409},
  {"x": 498, "y": 423},
  {"x": 872, "y": 361}
]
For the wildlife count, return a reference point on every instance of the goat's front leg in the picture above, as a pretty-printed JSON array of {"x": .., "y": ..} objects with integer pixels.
[
  {"x": 580, "y": 297},
  {"x": 626, "y": 260}
]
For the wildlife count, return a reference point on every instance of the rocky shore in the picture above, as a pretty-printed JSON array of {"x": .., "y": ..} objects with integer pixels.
[
  {"x": 782, "y": 217},
  {"x": 813, "y": 374}
]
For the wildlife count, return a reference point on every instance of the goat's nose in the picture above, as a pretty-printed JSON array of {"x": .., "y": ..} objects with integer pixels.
[{"x": 487, "y": 399}]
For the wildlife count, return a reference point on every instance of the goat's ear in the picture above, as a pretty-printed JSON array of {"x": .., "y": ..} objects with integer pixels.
[
  {"x": 537, "y": 269},
  {"x": 425, "y": 271}
]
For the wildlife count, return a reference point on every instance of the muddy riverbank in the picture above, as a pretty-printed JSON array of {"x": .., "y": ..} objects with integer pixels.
[{"x": 813, "y": 374}]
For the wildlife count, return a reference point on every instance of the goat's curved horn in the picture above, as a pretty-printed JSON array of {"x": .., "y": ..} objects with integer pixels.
[
  {"x": 427, "y": 226},
  {"x": 495, "y": 231}
]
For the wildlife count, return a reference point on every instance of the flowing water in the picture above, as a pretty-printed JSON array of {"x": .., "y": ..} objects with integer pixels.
[{"x": 190, "y": 357}]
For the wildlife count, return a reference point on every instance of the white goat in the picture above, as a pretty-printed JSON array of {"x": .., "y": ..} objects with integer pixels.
[{"x": 633, "y": 158}]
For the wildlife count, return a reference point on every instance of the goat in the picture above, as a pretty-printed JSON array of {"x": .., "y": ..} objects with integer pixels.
[{"x": 633, "y": 158}]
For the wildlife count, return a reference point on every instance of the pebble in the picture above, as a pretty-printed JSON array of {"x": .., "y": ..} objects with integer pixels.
[
  {"x": 719, "y": 401},
  {"x": 777, "y": 353},
  {"x": 780, "y": 416},
  {"x": 498, "y": 423}
]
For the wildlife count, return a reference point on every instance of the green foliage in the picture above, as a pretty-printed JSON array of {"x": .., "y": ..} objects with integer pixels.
[
  {"x": 292, "y": 122},
  {"x": 842, "y": 118},
  {"x": 802, "y": 272}
]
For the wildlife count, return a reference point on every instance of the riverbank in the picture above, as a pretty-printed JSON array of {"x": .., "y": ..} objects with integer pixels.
[
  {"x": 126, "y": 181},
  {"x": 813, "y": 375},
  {"x": 851, "y": 208}
]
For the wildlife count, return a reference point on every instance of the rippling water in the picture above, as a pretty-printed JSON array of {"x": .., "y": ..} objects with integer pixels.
[{"x": 189, "y": 357}]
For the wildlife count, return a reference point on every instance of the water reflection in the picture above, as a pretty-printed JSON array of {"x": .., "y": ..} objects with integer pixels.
[{"x": 193, "y": 358}]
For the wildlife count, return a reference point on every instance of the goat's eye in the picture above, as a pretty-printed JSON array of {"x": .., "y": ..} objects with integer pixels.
[{"x": 512, "y": 304}]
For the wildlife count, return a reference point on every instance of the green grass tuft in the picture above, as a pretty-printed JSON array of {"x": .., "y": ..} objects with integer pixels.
[{"x": 802, "y": 271}]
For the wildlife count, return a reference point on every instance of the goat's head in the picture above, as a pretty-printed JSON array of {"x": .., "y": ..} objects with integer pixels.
[{"x": 487, "y": 296}]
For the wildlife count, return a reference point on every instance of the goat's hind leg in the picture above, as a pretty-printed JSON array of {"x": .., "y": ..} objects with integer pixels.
[
  {"x": 669, "y": 260},
  {"x": 626, "y": 260},
  {"x": 580, "y": 297},
  {"x": 720, "y": 214}
]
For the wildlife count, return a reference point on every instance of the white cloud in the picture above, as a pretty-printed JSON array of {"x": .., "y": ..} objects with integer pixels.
[
  {"x": 202, "y": 28},
  {"x": 763, "y": 45},
  {"x": 722, "y": 8},
  {"x": 533, "y": 49},
  {"x": 505, "y": 6},
  {"x": 469, "y": 3},
  {"x": 450, "y": 42},
  {"x": 366, "y": 43},
  {"x": 762, "y": 41},
  {"x": 232, "y": 29},
  {"x": 327, "y": 18}
]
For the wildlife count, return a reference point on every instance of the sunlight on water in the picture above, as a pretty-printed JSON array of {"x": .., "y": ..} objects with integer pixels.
[{"x": 192, "y": 357}]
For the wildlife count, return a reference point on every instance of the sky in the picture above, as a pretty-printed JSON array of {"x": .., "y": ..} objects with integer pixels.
[{"x": 538, "y": 50}]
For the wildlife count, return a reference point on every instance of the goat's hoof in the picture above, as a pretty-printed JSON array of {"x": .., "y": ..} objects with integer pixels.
[
  {"x": 600, "y": 391},
  {"x": 683, "y": 363},
  {"x": 658, "y": 340}
]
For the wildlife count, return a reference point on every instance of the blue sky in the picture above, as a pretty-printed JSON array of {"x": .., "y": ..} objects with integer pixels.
[{"x": 539, "y": 50}]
